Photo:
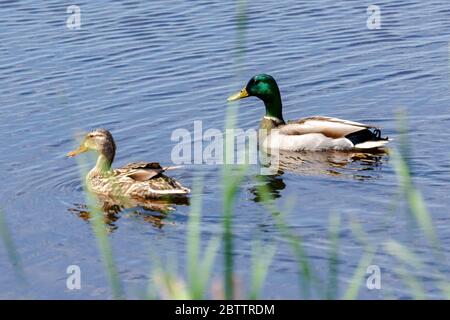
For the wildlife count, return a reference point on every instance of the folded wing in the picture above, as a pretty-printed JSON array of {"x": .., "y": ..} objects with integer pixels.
[
  {"x": 330, "y": 127},
  {"x": 141, "y": 171}
]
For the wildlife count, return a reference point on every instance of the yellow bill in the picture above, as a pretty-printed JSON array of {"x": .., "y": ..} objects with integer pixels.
[
  {"x": 240, "y": 95},
  {"x": 79, "y": 150}
]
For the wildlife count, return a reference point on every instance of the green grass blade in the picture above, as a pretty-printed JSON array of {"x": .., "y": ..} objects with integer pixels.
[
  {"x": 414, "y": 199},
  {"x": 232, "y": 181},
  {"x": 404, "y": 255},
  {"x": 208, "y": 260},
  {"x": 193, "y": 242},
  {"x": 306, "y": 276},
  {"x": 100, "y": 231},
  {"x": 352, "y": 290},
  {"x": 333, "y": 259},
  {"x": 11, "y": 250},
  {"x": 261, "y": 260},
  {"x": 230, "y": 186}
]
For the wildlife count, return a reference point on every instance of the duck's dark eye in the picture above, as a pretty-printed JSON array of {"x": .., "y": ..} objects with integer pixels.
[{"x": 256, "y": 82}]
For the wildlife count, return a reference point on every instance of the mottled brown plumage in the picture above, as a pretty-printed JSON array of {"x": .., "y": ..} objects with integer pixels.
[{"x": 143, "y": 180}]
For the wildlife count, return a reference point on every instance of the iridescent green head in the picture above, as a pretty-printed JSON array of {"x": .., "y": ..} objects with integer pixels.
[{"x": 264, "y": 87}]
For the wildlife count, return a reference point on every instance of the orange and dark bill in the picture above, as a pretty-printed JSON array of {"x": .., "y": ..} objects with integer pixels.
[{"x": 79, "y": 150}]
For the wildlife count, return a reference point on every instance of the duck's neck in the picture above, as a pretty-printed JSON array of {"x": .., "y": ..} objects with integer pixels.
[
  {"x": 274, "y": 107},
  {"x": 104, "y": 162}
]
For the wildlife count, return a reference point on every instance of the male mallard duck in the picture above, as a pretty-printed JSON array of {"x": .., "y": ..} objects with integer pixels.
[
  {"x": 309, "y": 134},
  {"x": 140, "y": 179}
]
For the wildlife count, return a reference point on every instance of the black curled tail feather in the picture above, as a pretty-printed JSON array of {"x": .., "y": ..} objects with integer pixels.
[
  {"x": 365, "y": 135},
  {"x": 377, "y": 134}
]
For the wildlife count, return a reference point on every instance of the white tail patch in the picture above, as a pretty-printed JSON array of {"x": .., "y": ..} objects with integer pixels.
[
  {"x": 372, "y": 144},
  {"x": 172, "y": 168}
]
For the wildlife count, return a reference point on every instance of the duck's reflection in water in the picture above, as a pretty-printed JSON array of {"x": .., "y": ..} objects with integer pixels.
[
  {"x": 352, "y": 165},
  {"x": 272, "y": 184},
  {"x": 152, "y": 211},
  {"x": 355, "y": 165}
]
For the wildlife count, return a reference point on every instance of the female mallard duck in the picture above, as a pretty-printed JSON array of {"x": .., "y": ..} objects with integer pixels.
[
  {"x": 135, "y": 180},
  {"x": 309, "y": 134}
]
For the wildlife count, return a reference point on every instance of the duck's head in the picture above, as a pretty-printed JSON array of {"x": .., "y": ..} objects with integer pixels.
[
  {"x": 264, "y": 87},
  {"x": 99, "y": 140}
]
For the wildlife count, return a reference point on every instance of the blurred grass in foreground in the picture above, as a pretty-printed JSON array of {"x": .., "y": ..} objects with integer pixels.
[
  {"x": 167, "y": 283},
  {"x": 11, "y": 250},
  {"x": 312, "y": 285},
  {"x": 100, "y": 230}
]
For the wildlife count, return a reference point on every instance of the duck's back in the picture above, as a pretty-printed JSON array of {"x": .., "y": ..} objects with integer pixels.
[{"x": 322, "y": 133}]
